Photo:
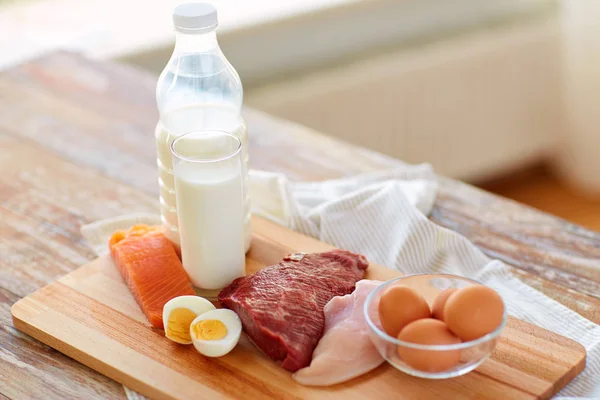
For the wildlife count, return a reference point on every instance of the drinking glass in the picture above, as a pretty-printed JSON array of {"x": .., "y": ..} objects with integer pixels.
[{"x": 207, "y": 167}]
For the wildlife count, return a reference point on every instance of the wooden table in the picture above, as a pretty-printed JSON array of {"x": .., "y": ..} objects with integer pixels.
[{"x": 76, "y": 145}]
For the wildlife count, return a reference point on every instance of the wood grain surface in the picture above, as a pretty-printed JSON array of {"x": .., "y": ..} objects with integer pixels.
[
  {"x": 90, "y": 315},
  {"x": 76, "y": 145}
]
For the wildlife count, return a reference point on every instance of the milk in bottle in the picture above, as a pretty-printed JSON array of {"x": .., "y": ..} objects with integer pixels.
[{"x": 197, "y": 90}]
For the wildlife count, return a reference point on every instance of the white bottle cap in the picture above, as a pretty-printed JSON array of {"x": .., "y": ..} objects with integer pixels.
[{"x": 195, "y": 17}]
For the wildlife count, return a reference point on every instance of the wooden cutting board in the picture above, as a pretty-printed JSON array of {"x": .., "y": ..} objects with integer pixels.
[{"x": 91, "y": 316}]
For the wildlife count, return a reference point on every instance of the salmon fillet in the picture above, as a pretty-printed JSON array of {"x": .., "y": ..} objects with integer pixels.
[{"x": 149, "y": 265}]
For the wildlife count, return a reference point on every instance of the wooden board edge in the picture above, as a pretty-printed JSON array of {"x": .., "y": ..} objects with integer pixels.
[
  {"x": 22, "y": 323},
  {"x": 571, "y": 374},
  {"x": 15, "y": 309}
]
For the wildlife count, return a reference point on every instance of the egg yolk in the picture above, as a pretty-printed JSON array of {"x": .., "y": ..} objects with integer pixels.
[
  {"x": 210, "y": 329},
  {"x": 178, "y": 326}
]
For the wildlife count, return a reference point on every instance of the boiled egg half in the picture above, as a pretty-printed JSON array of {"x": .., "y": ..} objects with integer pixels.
[
  {"x": 179, "y": 313},
  {"x": 215, "y": 333}
]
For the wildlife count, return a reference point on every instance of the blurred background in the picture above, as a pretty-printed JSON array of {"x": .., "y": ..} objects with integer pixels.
[{"x": 504, "y": 94}]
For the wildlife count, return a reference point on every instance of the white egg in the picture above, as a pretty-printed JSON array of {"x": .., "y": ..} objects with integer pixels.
[
  {"x": 178, "y": 314},
  {"x": 215, "y": 333}
]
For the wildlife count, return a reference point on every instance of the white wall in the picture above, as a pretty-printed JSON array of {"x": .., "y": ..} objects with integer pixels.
[
  {"x": 579, "y": 159},
  {"x": 475, "y": 106}
]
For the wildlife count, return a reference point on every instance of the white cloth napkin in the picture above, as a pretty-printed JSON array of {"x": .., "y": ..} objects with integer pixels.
[{"x": 383, "y": 216}]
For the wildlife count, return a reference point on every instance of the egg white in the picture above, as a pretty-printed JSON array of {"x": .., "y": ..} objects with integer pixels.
[
  {"x": 196, "y": 304},
  {"x": 218, "y": 348}
]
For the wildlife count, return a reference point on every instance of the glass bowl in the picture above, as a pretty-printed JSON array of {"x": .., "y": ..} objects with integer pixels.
[{"x": 472, "y": 353}]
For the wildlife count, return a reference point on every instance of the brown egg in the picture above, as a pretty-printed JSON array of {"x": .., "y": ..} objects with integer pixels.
[
  {"x": 399, "y": 306},
  {"x": 440, "y": 302},
  {"x": 428, "y": 331},
  {"x": 473, "y": 312}
]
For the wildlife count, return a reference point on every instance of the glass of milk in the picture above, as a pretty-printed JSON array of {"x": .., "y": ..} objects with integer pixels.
[{"x": 208, "y": 174}]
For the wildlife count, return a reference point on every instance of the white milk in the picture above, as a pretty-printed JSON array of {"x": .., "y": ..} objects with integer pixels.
[
  {"x": 194, "y": 118},
  {"x": 211, "y": 214}
]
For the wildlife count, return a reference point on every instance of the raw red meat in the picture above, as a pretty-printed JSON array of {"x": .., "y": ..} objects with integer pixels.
[{"x": 281, "y": 307}]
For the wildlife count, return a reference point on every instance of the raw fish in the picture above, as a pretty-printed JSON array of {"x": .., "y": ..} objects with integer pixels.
[{"x": 149, "y": 265}]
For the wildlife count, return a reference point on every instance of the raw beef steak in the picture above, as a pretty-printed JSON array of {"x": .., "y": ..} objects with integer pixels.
[{"x": 281, "y": 307}]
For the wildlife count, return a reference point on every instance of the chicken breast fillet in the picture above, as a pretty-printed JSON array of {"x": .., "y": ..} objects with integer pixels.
[{"x": 345, "y": 350}]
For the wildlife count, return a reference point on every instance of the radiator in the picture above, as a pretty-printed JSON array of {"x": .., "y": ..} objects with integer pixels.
[{"x": 474, "y": 105}]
